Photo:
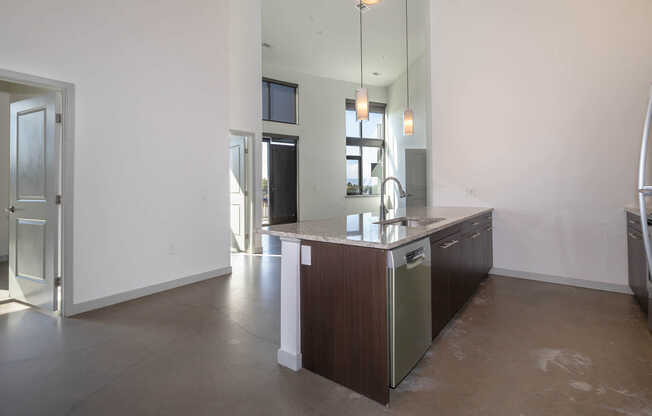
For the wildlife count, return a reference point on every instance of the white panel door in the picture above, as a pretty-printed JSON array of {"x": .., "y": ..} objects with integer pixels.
[
  {"x": 238, "y": 193},
  {"x": 33, "y": 211}
]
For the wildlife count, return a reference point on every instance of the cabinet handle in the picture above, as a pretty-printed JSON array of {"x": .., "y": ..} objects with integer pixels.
[
  {"x": 634, "y": 236},
  {"x": 449, "y": 244},
  {"x": 476, "y": 235}
]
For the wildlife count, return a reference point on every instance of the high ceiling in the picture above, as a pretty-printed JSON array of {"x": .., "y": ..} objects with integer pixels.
[{"x": 322, "y": 38}]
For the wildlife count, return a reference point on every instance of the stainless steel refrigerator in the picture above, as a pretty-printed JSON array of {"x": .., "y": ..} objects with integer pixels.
[{"x": 644, "y": 191}]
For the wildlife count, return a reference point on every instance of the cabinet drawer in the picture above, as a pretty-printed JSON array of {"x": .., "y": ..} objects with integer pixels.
[
  {"x": 634, "y": 222},
  {"x": 476, "y": 224},
  {"x": 447, "y": 232}
]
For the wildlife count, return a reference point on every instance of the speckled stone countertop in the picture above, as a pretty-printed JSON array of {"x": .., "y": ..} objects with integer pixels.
[{"x": 360, "y": 230}]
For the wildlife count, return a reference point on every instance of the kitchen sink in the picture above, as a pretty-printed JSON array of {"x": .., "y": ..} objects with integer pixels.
[{"x": 410, "y": 222}]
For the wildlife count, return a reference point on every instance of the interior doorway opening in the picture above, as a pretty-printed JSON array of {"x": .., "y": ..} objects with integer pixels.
[
  {"x": 240, "y": 204},
  {"x": 279, "y": 179},
  {"x": 30, "y": 195}
]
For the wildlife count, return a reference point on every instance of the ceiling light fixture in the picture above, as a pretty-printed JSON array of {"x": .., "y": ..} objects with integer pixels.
[
  {"x": 361, "y": 94},
  {"x": 370, "y": 2},
  {"x": 408, "y": 115}
]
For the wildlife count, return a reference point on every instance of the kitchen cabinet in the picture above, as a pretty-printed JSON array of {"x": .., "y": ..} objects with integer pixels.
[
  {"x": 447, "y": 294},
  {"x": 637, "y": 264},
  {"x": 460, "y": 261}
]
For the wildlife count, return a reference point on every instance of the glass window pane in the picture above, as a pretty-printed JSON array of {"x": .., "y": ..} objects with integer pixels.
[
  {"x": 372, "y": 170},
  {"x": 283, "y": 103},
  {"x": 352, "y": 125},
  {"x": 352, "y": 179},
  {"x": 353, "y": 151},
  {"x": 265, "y": 100},
  {"x": 373, "y": 128}
]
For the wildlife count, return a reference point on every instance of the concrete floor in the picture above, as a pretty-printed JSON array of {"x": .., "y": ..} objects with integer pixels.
[{"x": 518, "y": 348}]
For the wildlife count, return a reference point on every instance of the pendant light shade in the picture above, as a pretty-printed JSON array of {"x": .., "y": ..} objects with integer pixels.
[
  {"x": 361, "y": 94},
  {"x": 362, "y": 104},
  {"x": 408, "y": 116},
  {"x": 408, "y": 123}
]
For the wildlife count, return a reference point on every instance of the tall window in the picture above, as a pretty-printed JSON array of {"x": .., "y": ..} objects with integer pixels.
[
  {"x": 279, "y": 101},
  {"x": 365, "y": 143}
]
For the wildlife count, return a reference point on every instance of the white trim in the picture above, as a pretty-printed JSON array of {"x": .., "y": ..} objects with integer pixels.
[
  {"x": 146, "y": 291},
  {"x": 67, "y": 91},
  {"x": 567, "y": 281},
  {"x": 291, "y": 361},
  {"x": 289, "y": 354}
]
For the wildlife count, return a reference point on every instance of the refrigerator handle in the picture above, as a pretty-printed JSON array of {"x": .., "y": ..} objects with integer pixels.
[{"x": 644, "y": 190}]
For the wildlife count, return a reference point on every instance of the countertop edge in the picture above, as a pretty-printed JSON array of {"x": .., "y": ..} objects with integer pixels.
[{"x": 427, "y": 231}]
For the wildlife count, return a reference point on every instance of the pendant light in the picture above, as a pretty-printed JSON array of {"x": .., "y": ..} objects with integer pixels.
[
  {"x": 361, "y": 94},
  {"x": 408, "y": 115}
]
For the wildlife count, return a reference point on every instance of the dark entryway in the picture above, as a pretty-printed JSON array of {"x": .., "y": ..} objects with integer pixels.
[{"x": 279, "y": 179}]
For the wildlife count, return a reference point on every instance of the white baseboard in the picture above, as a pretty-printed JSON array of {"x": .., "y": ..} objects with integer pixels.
[
  {"x": 587, "y": 284},
  {"x": 289, "y": 360},
  {"x": 82, "y": 307}
]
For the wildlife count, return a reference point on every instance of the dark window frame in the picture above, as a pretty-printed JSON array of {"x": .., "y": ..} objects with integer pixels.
[
  {"x": 269, "y": 100},
  {"x": 378, "y": 108}
]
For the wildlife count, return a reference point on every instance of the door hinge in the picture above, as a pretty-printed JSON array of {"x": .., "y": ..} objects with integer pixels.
[
  {"x": 57, "y": 282},
  {"x": 58, "y": 199},
  {"x": 246, "y": 149},
  {"x": 58, "y": 117}
]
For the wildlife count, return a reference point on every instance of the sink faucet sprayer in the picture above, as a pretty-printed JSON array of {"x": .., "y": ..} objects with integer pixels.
[{"x": 402, "y": 194}]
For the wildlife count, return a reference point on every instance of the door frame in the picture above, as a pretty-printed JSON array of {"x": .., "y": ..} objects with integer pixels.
[
  {"x": 67, "y": 91},
  {"x": 272, "y": 136},
  {"x": 250, "y": 207}
]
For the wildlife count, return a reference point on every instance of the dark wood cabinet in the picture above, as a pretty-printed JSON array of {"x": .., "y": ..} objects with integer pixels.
[
  {"x": 460, "y": 261},
  {"x": 344, "y": 317},
  {"x": 637, "y": 266},
  {"x": 446, "y": 293}
]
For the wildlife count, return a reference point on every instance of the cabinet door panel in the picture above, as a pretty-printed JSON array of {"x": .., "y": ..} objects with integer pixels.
[
  {"x": 445, "y": 258},
  {"x": 637, "y": 268}
]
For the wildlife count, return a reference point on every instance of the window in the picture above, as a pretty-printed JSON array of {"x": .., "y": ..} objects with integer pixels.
[
  {"x": 279, "y": 101},
  {"x": 365, "y": 143}
]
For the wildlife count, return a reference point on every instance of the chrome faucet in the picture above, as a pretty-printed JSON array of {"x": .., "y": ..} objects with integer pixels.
[{"x": 402, "y": 194}]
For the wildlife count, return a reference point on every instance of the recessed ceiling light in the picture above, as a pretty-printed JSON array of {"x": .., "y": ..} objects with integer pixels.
[{"x": 370, "y": 2}]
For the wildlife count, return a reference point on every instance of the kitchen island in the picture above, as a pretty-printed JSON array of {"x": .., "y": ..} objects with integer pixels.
[{"x": 335, "y": 289}]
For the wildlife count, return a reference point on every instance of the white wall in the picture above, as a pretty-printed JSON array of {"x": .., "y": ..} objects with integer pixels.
[
  {"x": 537, "y": 111},
  {"x": 322, "y": 143},
  {"x": 396, "y": 141},
  {"x": 151, "y": 167},
  {"x": 4, "y": 172},
  {"x": 245, "y": 89}
]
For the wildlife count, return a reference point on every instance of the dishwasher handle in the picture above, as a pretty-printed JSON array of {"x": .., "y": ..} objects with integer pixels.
[{"x": 415, "y": 261}]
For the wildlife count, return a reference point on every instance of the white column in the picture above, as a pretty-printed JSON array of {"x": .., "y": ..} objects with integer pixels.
[{"x": 289, "y": 355}]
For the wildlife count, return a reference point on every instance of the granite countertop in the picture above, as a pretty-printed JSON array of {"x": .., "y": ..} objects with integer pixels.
[{"x": 360, "y": 230}]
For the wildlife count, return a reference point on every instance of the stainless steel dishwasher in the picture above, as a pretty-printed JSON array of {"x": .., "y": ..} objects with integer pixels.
[{"x": 410, "y": 316}]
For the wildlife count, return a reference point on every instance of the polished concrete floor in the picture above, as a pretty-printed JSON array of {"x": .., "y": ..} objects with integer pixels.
[{"x": 518, "y": 348}]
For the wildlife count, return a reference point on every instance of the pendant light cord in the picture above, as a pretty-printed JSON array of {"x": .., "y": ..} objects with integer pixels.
[
  {"x": 407, "y": 59},
  {"x": 360, "y": 7}
]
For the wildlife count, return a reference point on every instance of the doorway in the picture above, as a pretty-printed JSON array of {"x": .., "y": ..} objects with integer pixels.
[
  {"x": 238, "y": 162},
  {"x": 415, "y": 176},
  {"x": 279, "y": 179},
  {"x": 35, "y": 116}
]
